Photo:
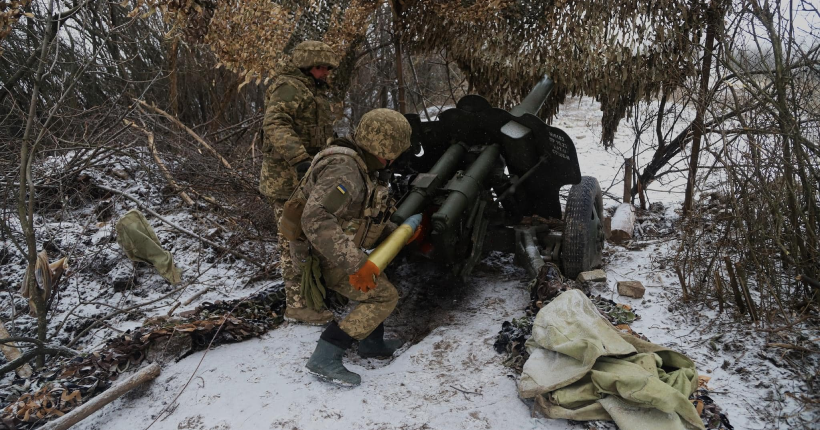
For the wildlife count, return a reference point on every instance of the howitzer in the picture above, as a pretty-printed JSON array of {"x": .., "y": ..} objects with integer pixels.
[{"x": 489, "y": 179}]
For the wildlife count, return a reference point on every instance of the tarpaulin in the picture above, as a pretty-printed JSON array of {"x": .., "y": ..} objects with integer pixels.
[{"x": 582, "y": 368}]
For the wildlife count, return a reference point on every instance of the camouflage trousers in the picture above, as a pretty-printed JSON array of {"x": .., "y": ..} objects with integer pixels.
[
  {"x": 290, "y": 274},
  {"x": 373, "y": 308}
]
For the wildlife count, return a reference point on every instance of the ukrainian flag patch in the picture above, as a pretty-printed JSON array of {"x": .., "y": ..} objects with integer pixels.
[{"x": 334, "y": 200}]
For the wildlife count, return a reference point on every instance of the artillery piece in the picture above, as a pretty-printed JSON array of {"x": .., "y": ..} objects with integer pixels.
[{"x": 480, "y": 175}]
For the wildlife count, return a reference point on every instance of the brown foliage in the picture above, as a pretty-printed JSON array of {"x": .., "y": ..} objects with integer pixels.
[
  {"x": 10, "y": 13},
  {"x": 619, "y": 52}
]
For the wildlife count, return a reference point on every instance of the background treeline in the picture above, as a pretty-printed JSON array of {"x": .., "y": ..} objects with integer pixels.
[{"x": 722, "y": 93}]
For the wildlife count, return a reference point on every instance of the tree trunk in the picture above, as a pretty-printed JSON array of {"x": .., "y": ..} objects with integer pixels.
[
  {"x": 702, "y": 103},
  {"x": 399, "y": 70},
  {"x": 25, "y": 206}
]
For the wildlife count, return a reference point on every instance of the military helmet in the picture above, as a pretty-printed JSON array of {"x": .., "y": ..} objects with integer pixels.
[
  {"x": 313, "y": 53},
  {"x": 384, "y": 132}
]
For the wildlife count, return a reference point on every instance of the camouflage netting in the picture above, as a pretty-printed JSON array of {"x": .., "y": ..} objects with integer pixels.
[
  {"x": 10, "y": 13},
  {"x": 251, "y": 36},
  {"x": 618, "y": 52},
  {"x": 67, "y": 384}
]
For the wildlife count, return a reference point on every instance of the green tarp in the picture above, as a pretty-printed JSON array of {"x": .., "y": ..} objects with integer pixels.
[
  {"x": 583, "y": 368},
  {"x": 140, "y": 243}
]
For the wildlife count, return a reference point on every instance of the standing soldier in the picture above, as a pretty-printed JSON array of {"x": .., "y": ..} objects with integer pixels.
[
  {"x": 345, "y": 210},
  {"x": 297, "y": 126}
]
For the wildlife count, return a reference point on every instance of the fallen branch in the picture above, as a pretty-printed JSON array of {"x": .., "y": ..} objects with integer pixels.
[
  {"x": 11, "y": 352},
  {"x": 40, "y": 349},
  {"x": 146, "y": 374},
  {"x": 187, "y": 130},
  {"x": 173, "y": 308},
  {"x": 787, "y": 326},
  {"x": 121, "y": 311},
  {"x": 144, "y": 207},
  {"x": 162, "y": 168},
  {"x": 195, "y": 296},
  {"x": 789, "y": 346}
]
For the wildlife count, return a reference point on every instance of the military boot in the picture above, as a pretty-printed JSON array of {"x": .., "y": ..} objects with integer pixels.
[
  {"x": 376, "y": 346},
  {"x": 303, "y": 314},
  {"x": 326, "y": 361},
  {"x": 308, "y": 316}
]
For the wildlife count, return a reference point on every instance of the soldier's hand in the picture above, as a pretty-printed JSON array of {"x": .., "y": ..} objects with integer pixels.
[
  {"x": 301, "y": 169},
  {"x": 364, "y": 279}
]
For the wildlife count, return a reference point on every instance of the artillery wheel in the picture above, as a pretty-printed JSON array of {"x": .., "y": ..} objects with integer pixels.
[{"x": 583, "y": 241}]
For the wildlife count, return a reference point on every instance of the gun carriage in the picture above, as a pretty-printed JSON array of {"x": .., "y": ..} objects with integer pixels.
[{"x": 488, "y": 179}]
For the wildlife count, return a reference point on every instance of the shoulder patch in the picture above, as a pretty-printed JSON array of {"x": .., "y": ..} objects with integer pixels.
[
  {"x": 335, "y": 198},
  {"x": 284, "y": 93}
]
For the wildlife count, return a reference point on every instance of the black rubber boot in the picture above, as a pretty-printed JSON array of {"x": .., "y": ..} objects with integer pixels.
[
  {"x": 376, "y": 346},
  {"x": 326, "y": 361}
]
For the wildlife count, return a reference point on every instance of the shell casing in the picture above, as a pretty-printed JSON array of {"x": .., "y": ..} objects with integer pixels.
[{"x": 390, "y": 247}]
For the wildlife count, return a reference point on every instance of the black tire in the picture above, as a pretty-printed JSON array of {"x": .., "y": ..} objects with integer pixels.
[{"x": 583, "y": 242}]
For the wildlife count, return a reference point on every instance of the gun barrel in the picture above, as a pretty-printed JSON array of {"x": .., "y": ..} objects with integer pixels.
[
  {"x": 536, "y": 98},
  {"x": 441, "y": 171},
  {"x": 464, "y": 189}
]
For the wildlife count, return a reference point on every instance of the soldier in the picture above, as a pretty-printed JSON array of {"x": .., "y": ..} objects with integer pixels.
[
  {"x": 297, "y": 126},
  {"x": 345, "y": 210}
]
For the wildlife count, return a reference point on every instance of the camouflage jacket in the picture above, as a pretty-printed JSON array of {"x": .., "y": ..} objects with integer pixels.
[
  {"x": 346, "y": 209},
  {"x": 297, "y": 125}
]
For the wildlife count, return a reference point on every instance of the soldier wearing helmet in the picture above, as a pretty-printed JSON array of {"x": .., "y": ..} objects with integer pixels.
[
  {"x": 346, "y": 210},
  {"x": 297, "y": 126}
]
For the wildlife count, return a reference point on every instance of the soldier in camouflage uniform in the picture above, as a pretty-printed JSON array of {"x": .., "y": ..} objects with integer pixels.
[
  {"x": 346, "y": 210},
  {"x": 297, "y": 126}
]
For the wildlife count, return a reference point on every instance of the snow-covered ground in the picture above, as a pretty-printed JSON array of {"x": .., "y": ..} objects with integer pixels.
[{"x": 448, "y": 376}]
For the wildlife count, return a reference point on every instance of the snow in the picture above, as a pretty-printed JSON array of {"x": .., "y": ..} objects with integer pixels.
[
  {"x": 451, "y": 379},
  {"x": 447, "y": 377},
  {"x": 624, "y": 217}
]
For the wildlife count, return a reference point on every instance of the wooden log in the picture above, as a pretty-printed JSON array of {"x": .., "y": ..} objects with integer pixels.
[
  {"x": 11, "y": 352},
  {"x": 627, "y": 180},
  {"x": 146, "y": 374},
  {"x": 623, "y": 223}
]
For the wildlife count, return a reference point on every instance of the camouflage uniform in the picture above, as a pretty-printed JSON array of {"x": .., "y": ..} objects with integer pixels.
[
  {"x": 339, "y": 197},
  {"x": 297, "y": 125},
  {"x": 346, "y": 210}
]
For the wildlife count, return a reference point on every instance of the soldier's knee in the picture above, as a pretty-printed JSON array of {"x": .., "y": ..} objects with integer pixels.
[{"x": 387, "y": 293}]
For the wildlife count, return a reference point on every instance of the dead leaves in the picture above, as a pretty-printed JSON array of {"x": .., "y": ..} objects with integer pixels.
[{"x": 50, "y": 401}]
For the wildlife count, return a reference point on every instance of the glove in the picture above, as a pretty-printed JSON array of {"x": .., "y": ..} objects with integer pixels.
[
  {"x": 301, "y": 169},
  {"x": 364, "y": 279}
]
